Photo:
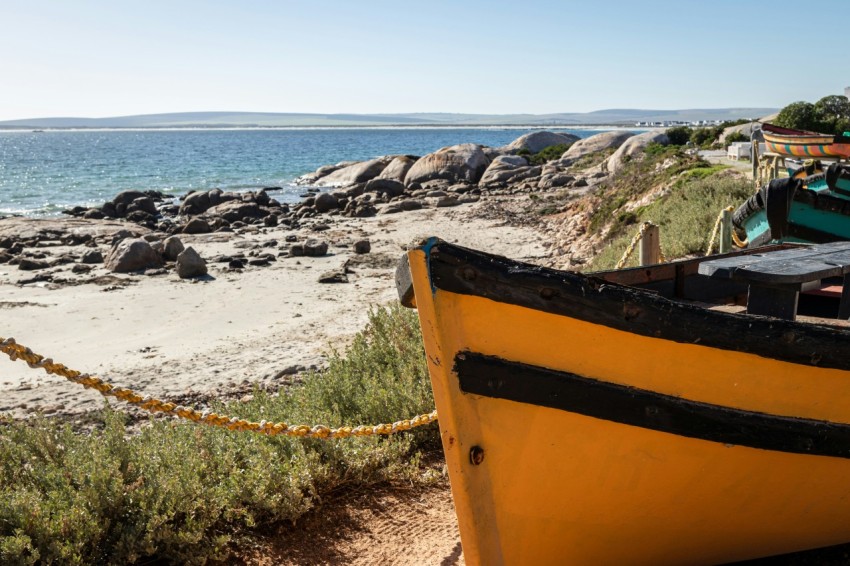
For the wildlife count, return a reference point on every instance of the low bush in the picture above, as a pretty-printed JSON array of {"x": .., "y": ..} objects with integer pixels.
[
  {"x": 686, "y": 215},
  {"x": 737, "y": 137},
  {"x": 178, "y": 492},
  {"x": 678, "y": 135},
  {"x": 639, "y": 176},
  {"x": 550, "y": 153}
]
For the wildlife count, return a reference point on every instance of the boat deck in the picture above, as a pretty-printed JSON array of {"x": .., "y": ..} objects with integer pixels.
[{"x": 788, "y": 282}]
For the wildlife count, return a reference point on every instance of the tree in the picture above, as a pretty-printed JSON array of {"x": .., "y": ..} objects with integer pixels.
[
  {"x": 703, "y": 136},
  {"x": 833, "y": 113},
  {"x": 678, "y": 135},
  {"x": 798, "y": 115}
]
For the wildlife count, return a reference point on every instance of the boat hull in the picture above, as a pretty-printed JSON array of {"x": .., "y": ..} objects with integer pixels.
[
  {"x": 794, "y": 209},
  {"x": 798, "y": 143},
  {"x": 586, "y": 424}
]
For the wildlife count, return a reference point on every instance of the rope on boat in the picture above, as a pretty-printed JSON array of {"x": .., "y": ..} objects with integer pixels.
[
  {"x": 17, "y": 351},
  {"x": 631, "y": 248},
  {"x": 739, "y": 243},
  {"x": 712, "y": 239}
]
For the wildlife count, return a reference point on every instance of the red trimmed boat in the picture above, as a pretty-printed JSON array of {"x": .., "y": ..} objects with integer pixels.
[{"x": 801, "y": 143}]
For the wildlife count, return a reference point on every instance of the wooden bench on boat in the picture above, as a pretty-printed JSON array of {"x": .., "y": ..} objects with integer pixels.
[{"x": 776, "y": 279}]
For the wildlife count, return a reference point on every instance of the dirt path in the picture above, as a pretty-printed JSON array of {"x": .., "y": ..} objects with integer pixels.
[{"x": 401, "y": 527}]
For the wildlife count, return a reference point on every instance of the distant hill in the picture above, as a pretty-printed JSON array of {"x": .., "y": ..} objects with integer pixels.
[{"x": 272, "y": 119}]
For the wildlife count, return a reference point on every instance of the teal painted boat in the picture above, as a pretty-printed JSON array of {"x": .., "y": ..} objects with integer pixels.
[{"x": 810, "y": 206}]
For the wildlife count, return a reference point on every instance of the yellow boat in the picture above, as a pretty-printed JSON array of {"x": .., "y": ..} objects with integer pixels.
[{"x": 632, "y": 417}]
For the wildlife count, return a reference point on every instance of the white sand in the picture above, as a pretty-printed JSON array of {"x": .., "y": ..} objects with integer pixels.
[{"x": 164, "y": 336}]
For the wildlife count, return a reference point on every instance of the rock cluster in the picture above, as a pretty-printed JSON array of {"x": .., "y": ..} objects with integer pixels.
[
  {"x": 198, "y": 212},
  {"x": 469, "y": 165},
  {"x": 448, "y": 177},
  {"x": 391, "y": 184},
  {"x": 27, "y": 242}
]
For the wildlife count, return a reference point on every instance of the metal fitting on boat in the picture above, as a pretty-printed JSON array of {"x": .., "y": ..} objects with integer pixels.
[{"x": 476, "y": 455}]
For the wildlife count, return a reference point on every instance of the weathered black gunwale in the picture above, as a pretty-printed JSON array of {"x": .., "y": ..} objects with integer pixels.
[
  {"x": 496, "y": 378},
  {"x": 468, "y": 272}
]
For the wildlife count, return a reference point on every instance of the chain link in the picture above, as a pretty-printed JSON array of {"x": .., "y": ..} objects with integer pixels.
[{"x": 16, "y": 351}]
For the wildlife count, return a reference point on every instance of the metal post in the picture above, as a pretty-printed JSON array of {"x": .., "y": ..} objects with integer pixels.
[
  {"x": 726, "y": 232},
  {"x": 650, "y": 246}
]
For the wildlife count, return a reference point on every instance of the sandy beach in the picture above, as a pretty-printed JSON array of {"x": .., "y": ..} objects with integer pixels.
[
  {"x": 165, "y": 336},
  {"x": 194, "y": 340}
]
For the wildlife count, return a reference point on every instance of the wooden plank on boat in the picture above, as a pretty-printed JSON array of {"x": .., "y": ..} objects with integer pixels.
[
  {"x": 404, "y": 283},
  {"x": 773, "y": 301},
  {"x": 784, "y": 267},
  {"x": 844, "y": 305}
]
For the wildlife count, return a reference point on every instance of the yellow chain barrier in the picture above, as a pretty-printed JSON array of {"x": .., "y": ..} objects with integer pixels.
[
  {"x": 16, "y": 351},
  {"x": 713, "y": 237},
  {"x": 631, "y": 248}
]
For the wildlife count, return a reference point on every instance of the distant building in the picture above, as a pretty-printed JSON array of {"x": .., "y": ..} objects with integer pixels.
[
  {"x": 847, "y": 91},
  {"x": 670, "y": 123}
]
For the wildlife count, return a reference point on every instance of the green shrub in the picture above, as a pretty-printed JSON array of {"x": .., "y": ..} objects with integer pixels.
[
  {"x": 655, "y": 149},
  {"x": 736, "y": 137},
  {"x": 179, "y": 492},
  {"x": 830, "y": 114},
  {"x": 550, "y": 153},
  {"x": 679, "y": 135},
  {"x": 703, "y": 136}
]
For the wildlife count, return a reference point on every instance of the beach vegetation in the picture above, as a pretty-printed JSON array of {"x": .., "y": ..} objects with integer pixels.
[
  {"x": 830, "y": 114},
  {"x": 655, "y": 148},
  {"x": 638, "y": 177},
  {"x": 678, "y": 135},
  {"x": 681, "y": 193},
  {"x": 548, "y": 154},
  {"x": 798, "y": 115},
  {"x": 737, "y": 137},
  {"x": 594, "y": 159},
  {"x": 183, "y": 493},
  {"x": 704, "y": 136}
]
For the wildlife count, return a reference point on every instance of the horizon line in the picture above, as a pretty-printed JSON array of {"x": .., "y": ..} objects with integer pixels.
[{"x": 383, "y": 114}]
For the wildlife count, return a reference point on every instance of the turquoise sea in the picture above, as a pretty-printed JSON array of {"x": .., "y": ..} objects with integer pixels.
[{"x": 42, "y": 173}]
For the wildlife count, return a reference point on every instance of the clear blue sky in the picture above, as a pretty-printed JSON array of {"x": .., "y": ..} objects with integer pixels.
[{"x": 96, "y": 58}]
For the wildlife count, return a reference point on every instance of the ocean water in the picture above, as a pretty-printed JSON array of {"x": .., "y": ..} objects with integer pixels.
[{"x": 42, "y": 173}]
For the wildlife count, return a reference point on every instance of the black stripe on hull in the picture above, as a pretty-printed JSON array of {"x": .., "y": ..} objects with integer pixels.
[
  {"x": 493, "y": 377},
  {"x": 573, "y": 295}
]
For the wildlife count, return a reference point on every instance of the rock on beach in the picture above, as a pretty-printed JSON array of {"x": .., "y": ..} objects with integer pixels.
[
  {"x": 132, "y": 254},
  {"x": 633, "y": 146},
  {"x": 598, "y": 142},
  {"x": 463, "y": 162},
  {"x": 535, "y": 142},
  {"x": 190, "y": 264}
]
